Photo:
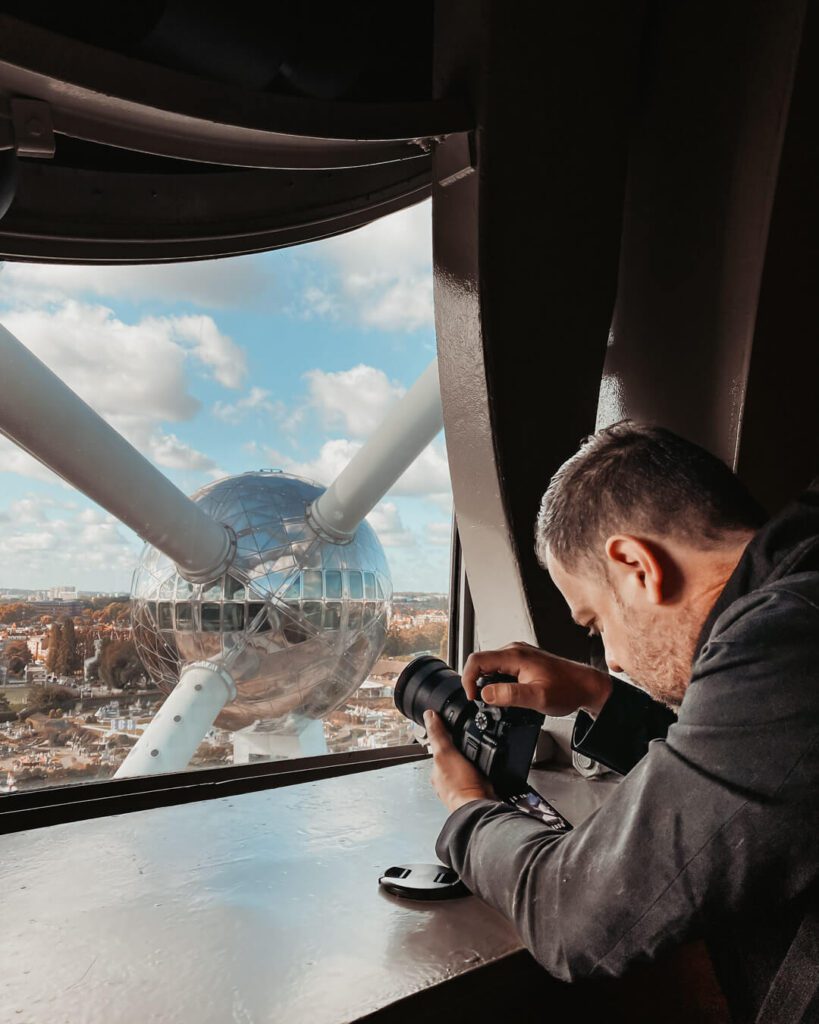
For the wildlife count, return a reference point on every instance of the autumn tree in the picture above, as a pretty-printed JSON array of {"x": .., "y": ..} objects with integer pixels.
[
  {"x": 55, "y": 636},
  {"x": 68, "y": 659},
  {"x": 120, "y": 667},
  {"x": 16, "y": 656}
]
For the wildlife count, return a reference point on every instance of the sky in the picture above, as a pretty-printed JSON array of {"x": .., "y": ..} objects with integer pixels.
[{"x": 284, "y": 360}]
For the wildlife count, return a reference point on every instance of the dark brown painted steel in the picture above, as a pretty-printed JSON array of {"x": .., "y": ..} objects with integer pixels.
[
  {"x": 110, "y": 98},
  {"x": 67, "y": 215},
  {"x": 779, "y": 444},
  {"x": 526, "y": 253},
  {"x": 37, "y": 808},
  {"x": 713, "y": 104}
]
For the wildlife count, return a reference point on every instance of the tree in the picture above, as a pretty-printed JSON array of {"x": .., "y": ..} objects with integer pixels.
[
  {"x": 15, "y": 611},
  {"x": 17, "y": 656},
  {"x": 43, "y": 698},
  {"x": 5, "y": 704},
  {"x": 55, "y": 635},
  {"x": 68, "y": 659},
  {"x": 120, "y": 667}
]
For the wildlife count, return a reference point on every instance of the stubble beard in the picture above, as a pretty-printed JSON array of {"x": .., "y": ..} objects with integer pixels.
[{"x": 661, "y": 657}]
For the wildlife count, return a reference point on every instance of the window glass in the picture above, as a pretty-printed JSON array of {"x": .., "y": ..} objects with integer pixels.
[
  {"x": 233, "y": 617},
  {"x": 311, "y": 584},
  {"x": 184, "y": 616},
  {"x": 355, "y": 587},
  {"x": 332, "y": 615},
  {"x": 210, "y": 618},
  {"x": 257, "y": 428}
]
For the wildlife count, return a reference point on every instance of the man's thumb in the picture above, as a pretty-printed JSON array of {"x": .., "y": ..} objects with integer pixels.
[{"x": 510, "y": 695}]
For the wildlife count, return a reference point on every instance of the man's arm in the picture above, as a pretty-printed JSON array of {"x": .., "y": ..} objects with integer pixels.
[
  {"x": 718, "y": 819},
  {"x": 620, "y": 734}
]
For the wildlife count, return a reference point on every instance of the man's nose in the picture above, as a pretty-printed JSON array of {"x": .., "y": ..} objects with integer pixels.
[{"x": 613, "y": 664}]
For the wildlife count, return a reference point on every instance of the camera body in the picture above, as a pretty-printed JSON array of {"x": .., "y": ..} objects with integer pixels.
[{"x": 500, "y": 742}]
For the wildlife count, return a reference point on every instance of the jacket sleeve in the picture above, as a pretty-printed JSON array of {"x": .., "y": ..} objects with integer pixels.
[
  {"x": 620, "y": 735},
  {"x": 718, "y": 818}
]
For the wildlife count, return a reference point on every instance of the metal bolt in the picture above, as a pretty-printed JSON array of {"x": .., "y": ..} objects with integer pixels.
[
  {"x": 154, "y": 753},
  {"x": 198, "y": 686},
  {"x": 177, "y": 718}
]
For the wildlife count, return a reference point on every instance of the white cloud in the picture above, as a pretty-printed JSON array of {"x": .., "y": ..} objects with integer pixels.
[
  {"x": 256, "y": 400},
  {"x": 167, "y": 450},
  {"x": 212, "y": 284},
  {"x": 133, "y": 375},
  {"x": 427, "y": 477},
  {"x": 438, "y": 534},
  {"x": 379, "y": 275},
  {"x": 385, "y": 519},
  {"x": 45, "y": 542},
  {"x": 355, "y": 400}
]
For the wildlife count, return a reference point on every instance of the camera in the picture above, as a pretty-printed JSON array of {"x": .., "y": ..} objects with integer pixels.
[{"x": 499, "y": 741}]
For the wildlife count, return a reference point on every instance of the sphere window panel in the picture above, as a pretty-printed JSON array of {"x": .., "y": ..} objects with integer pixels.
[
  {"x": 332, "y": 615},
  {"x": 369, "y": 586},
  {"x": 234, "y": 589},
  {"x": 184, "y": 617},
  {"x": 332, "y": 584},
  {"x": 164, "y": 616},
  {"x": 234, "y": 617},
  {"x": 355, "y": 585},
  {"x": 183, "y": 588},
  {"x": 212, "y": 591},
  {"x": 311, "y": 584},
  {"x": 354, "y": 616},
  {"x": 167, "y": 588},
  {"x": 312, "y": 611},
  {"x": 293, "y": 592},
  {"x": 258, "y": 613},
  {"x": 211, "y": 618}
]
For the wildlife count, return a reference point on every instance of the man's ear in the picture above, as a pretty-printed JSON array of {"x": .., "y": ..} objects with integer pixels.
[{"x": 635, "y": 565}]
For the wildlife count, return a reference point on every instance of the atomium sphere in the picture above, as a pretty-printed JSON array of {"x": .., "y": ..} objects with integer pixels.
[{"x": 299, "y": 620}]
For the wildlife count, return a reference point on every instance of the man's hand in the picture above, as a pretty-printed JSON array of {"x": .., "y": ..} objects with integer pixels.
[
  {"x": 454, "y": 778},
  {"x": 545, "y": 683}
]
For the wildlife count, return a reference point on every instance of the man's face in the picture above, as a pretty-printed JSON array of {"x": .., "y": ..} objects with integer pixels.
[{"x": 653, "y": 644}]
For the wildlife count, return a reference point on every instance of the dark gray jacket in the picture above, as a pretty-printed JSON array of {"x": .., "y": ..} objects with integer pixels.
[{"x": 713, "y": 831}]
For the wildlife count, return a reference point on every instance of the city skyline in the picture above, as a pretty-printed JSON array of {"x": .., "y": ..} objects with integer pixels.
[{"x": 282, "y": 360}]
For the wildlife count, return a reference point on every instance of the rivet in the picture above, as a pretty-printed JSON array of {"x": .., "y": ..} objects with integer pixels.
[
  {"x": 198, "y": 686},
  {"x": 177, "y": 718},
  {"x": 154, "y": 753}
]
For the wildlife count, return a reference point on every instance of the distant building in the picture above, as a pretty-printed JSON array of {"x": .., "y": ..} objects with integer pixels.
[{"x": 59, "y": 608}]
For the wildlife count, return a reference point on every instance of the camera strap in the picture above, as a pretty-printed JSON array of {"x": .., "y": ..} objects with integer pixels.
[{"x": 530, "y": 802}]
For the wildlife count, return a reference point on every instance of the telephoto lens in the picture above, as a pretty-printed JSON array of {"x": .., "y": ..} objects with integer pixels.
[
  {"x": 499, "y": 741},
  {"x": 427, "y": 683}
]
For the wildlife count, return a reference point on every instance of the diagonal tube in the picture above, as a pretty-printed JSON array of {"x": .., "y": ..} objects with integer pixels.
[
  {"x": 395, "y": 444},
  {"x": 49, "y": 421}
]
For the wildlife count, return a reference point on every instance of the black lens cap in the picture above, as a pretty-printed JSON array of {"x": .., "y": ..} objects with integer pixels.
[{"x": 423, "y": 882}]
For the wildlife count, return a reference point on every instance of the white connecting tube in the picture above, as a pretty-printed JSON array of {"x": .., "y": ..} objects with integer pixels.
[
  {"x": 394, "y": 445},
  {"x": 49, "y": 421},
  {"x": 179, "y": 726}
]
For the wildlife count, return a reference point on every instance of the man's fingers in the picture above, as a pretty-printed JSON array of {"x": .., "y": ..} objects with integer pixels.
[
  {"x": 512, "y": 695},
  {"x": 482, "y": 663},
  {"x": 436, "y": 731}
]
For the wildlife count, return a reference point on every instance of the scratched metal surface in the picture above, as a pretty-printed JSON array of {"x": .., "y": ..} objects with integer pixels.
[{"x": 257, "y": 908}]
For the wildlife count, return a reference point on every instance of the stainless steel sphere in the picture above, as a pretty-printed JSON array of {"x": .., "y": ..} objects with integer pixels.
[{"x": 302, "y": 620}]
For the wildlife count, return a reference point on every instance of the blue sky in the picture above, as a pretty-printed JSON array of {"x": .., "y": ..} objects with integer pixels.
[{"x": 283, "y": 360}]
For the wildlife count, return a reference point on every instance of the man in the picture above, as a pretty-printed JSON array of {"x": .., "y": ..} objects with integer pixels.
[{"x": 659, "y": 550}]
